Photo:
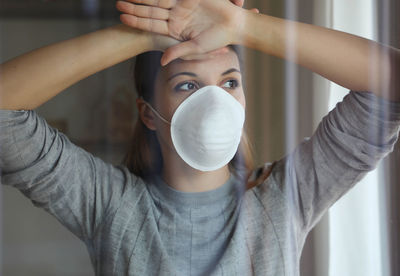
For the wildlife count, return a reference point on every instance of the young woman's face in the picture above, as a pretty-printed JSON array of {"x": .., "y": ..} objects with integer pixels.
[{"x": 180, "y": 79}]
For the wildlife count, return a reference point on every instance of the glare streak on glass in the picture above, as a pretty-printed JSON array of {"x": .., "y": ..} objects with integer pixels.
[
  {"x": 1, "y": 228},
  {"x": 1, "y": 190},
  {"x": 291, "y": 91},
  {"x": 90, "y": 7},
  {"x": 355, "y": 245},
  {"x": 291, "y": 77},
  {"x": 383, "y": 34}
]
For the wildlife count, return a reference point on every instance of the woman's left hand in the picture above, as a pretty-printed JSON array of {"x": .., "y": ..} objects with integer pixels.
[{"x": 204, "y": 25}]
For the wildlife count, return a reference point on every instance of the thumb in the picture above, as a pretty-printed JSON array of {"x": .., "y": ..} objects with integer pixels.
[
  {"x": 255, "y": 10},
  {"x": 186, "y": 48},
  {"x": 207, "y": 41},
  {"x": 238, "y": 3},
  {"x": 211, "y": 54}
]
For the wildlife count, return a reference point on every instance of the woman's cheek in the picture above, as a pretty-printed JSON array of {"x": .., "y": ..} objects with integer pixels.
[{"x": 239, "y": 96}]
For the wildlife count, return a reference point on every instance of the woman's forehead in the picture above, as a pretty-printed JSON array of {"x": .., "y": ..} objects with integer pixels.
[{"x": 210, "y": 65}]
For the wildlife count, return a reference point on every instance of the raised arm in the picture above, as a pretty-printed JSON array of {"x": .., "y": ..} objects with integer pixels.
[
  {"x": 79, "y": 189},
  {"x": 33, "y": 78},
  {"x": 350, "y": 61}
]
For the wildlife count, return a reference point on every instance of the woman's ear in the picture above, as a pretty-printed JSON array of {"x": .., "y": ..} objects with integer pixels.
[{"x": 146, "y": 114}]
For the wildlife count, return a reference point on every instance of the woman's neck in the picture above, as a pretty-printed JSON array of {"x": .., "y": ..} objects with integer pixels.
[{"x": 180, "y": 176}]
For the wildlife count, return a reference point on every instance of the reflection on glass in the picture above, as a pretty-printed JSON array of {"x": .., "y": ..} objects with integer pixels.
[{"x": 150, "y": 162}]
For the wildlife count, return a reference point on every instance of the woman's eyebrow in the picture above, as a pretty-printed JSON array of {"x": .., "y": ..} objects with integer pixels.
[
  {"x": 182, "y": 73},
  {"x": 230, "y": 71},
  {"x": 194, "y": 75}
]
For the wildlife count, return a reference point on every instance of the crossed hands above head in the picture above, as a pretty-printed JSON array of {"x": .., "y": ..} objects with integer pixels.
[{"x": 204, "y": 27}]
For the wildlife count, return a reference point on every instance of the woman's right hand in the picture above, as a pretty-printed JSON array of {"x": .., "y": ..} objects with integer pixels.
[
  {"x": 204, "y": 26},
  {"x": 162, "y": 43}
]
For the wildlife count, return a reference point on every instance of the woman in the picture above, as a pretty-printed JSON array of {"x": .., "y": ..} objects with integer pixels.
[{"x": 183, "y": 215}]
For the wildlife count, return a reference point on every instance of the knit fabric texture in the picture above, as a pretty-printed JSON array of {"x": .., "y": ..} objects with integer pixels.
[{"x": 136, "y": 227}]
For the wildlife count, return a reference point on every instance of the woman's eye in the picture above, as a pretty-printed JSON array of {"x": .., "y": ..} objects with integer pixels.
[
  {"x": 231, "y": 84},
  {"x": 186, "y": 86}
]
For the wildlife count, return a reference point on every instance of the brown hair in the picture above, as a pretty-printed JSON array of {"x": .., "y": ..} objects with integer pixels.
[{"x": 144, "y": 157}]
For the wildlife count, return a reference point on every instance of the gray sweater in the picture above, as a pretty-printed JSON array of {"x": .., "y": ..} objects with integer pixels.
[{"x": 133, "y": 227}]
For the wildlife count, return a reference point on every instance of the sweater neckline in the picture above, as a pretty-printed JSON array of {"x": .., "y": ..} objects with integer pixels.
[{"x": 195, "y": 199}]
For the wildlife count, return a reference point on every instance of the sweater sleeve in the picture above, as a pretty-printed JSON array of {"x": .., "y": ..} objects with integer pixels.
[
  {"x": 56, "y": 175},
  {"x": 348, "y": 143}
]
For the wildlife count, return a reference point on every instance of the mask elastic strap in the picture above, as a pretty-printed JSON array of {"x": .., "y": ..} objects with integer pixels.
[{"x": 156, "y": 112}]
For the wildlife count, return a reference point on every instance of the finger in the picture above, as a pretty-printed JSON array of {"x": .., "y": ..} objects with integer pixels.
[
  {"x": 142, "y": 11},
  {"x": 187, "y": 48},
  {"x": 211, "y": 54},
  {"x": 165, "y": 4},
  {"x": 238, "y": 3},
  {"x": 208, "y": 55},
  {"x": 145, "y": 24},
  {"x": 220, "y": 51},
  {"x": 190, "y": 50},
  {"x": 255, "y": 10},
  {"x": 206, "y": 42},
  {"x": 196, "y": 57}
]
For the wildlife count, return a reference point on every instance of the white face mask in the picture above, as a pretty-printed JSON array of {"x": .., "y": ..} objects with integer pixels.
[{"x": 206, "y": 128}]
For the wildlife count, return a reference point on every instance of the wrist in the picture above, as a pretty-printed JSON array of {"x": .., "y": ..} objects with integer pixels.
[
  {"x": 125, "y": 35},
  {"x": 147, "y": 41},
  {"x": 260, "y": 32},
  {"x": 239, "y": 25},
  {"x": 161, "y": 42}
]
